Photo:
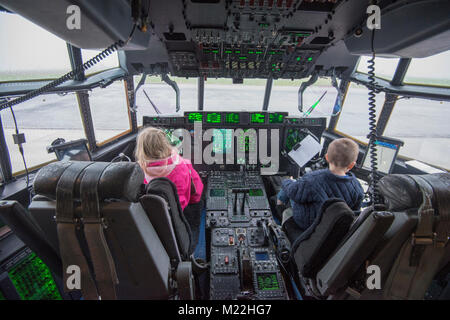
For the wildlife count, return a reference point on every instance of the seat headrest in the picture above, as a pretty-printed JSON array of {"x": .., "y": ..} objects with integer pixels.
[
  {"x": 315, "y": 245},
  {"x": 119, "y": 180},
  {"x": 401, "y": 192}
]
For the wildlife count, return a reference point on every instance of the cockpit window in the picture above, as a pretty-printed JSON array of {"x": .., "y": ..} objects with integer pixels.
[
  {"x": 284, "y": 97},
  {"x": 423, "y": 125},
  {"x": 110, "y": 113},
  {"x": 354, "y": 118},
  {"x": 384, "y": 67},
  {"x": 431, "y": 71},
  {"x": 42, "y": 120},
  {"x": 29, "y": 52},
  {"x": 222, "y": 94},
  {"x": 157, "y": 97},
  {"x": 111, "y": 61}
]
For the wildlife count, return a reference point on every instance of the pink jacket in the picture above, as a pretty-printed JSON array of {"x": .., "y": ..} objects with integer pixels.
[{"x": 181, "y": 173}]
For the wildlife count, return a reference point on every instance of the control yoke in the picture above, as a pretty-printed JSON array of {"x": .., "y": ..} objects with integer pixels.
[
  {"x": 166, "y": 79},
  {"x": 311, "y": 81},
  {"x": 174, "y": 85}
]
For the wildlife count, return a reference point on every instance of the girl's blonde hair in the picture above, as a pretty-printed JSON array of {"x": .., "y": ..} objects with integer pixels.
[{"x": 151, "y": 145}]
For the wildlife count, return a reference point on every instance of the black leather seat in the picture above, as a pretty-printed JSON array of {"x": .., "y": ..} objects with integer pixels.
[
  {"x": 408, "y": 242},
  {"x": 312, "y": 248},
  {"x": 173, "y": 228},
  {"x": 139, "y": 258}
]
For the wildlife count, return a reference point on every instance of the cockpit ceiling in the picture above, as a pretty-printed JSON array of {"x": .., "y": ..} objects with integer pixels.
[{"x": 247, "y": 38}]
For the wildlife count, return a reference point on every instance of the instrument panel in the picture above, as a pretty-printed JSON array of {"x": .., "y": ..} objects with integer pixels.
[
  {"x": 227, "y": 141},
  {"x": 244, "y": 263}
]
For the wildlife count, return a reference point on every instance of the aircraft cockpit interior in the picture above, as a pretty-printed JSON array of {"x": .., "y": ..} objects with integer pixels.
[{"x": 224, "y": 150}]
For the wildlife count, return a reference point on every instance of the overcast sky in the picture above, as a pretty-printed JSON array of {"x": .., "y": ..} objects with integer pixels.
[{"x": 26, "y": 47}]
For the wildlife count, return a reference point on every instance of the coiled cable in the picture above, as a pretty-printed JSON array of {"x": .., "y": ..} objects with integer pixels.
[
  {"x": 373, "y": 134},
  {"x": 70, "y": 75}
]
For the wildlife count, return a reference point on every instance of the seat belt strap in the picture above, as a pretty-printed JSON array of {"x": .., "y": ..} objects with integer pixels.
[
  {"x": 66, "y": 224},
  {"x": 424, "y": 228},
  {"x": 94, "y": 225}
]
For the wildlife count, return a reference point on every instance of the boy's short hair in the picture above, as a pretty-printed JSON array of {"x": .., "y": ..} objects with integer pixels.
[{"x": 342, "y": 152}]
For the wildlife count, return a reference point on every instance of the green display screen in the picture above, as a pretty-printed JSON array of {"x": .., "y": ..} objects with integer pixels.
[
  {"x": 217, "y": 193},
  {"x": 213, "y": 117},
  {"x": 232, "y": 118},
  {"x": 222, "y": 139},
  {"x": 195, "y": 116},
  {"x": 255, "y": 193},
  {"x": 33, "y": 280},
  {"x": 174, "y": 140},
  {"x": 293, "y": 137},
  {"x": 258, "y": 118},
  {"x": 276, "y": 118},
  {"x": 267, "y": 281}
]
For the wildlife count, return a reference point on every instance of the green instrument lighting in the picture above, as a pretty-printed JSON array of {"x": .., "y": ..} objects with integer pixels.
[
  {"x": 267, "y": 281},
  {"x": 307, "y": 113},
  {"x": 195, "y": 116},
  {"x": 232, "y": 118},
  {"x": 258, "y": 118},
  {"x": 33, "y": 281},
  {"x": 310, "y": 59},
  {"x": 251, "y": 52},
  {"x": 237, "y": 51},
  {"x": 255, "y": 193},
  {"x": 271, "y": 52},
  {"x": 243, "y": 58},
  {"x": 258, "y": 52},
  {"x": 276, "y": 118},
  {"x": 298, "y": 58},
  {"x": 222, "y": 140},
  {"x": 215, "y": 51},
  {"x": 213, "y": 117},
  {"x": 228, "y": 51}
]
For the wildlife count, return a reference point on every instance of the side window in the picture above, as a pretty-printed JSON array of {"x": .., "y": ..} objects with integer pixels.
[
  {"x": 431, "y": 71},
  {"x": 30, "y": 52},
  {"x": 110, "y": 113},
  {"x": 110, "y": 62},
  {"x": 42, "y": 120},
  {"x": 423, "y": 125},
  {"x": 384, "y": 67},
  {"x": 354, "y": 119}
]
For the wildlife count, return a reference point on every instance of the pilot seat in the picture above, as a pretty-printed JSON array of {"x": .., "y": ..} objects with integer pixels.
[
  {"x": 406, "y": 243},
  {"x": 95, "y": 218}
]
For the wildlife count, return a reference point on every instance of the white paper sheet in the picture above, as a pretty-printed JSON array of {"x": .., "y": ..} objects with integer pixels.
[{"x": 305, "y": 150}]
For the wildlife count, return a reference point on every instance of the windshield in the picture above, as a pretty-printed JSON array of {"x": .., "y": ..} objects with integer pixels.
[{"x": 54, "y": 116}]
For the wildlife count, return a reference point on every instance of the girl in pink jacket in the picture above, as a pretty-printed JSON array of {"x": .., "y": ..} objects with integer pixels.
[{"x": 158, "y": 158}]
